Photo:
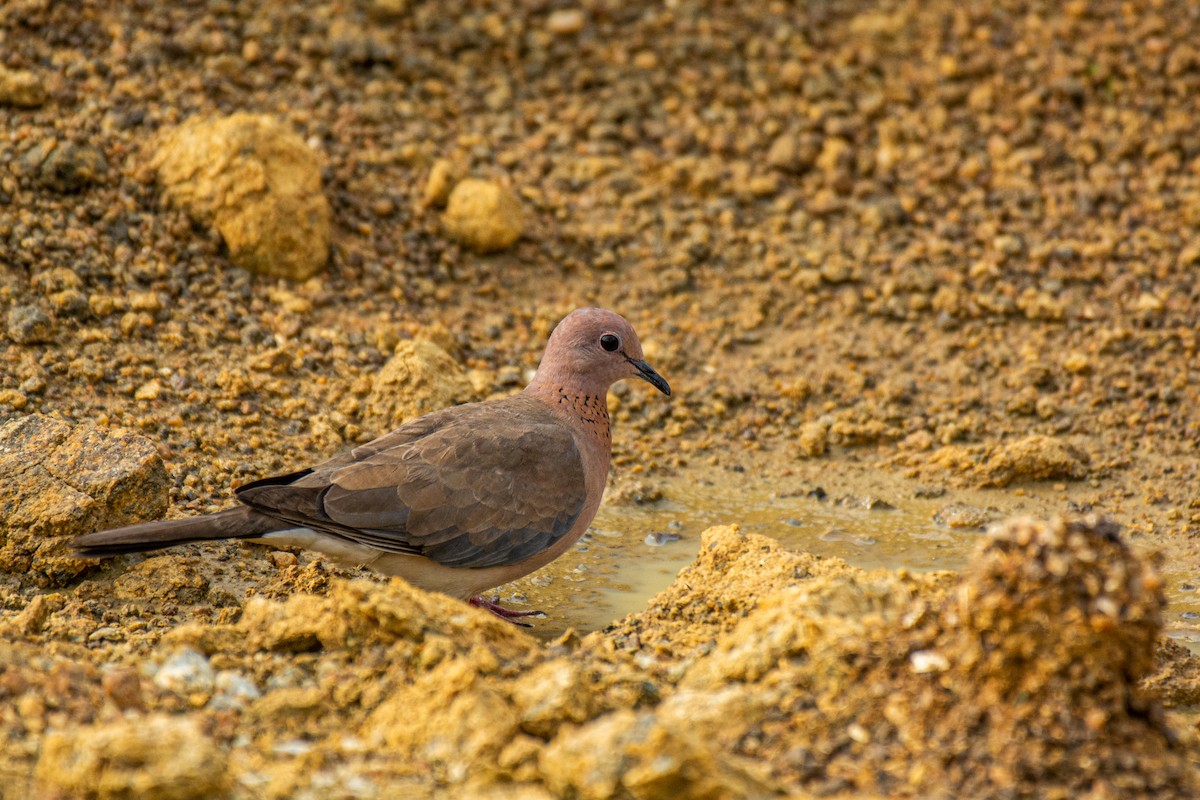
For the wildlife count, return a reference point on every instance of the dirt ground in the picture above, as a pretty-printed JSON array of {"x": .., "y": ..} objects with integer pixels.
[{"x": 947, "y": 249}]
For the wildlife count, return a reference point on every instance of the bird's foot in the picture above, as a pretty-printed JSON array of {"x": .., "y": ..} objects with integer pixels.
[{"x": 506, "y": 614}]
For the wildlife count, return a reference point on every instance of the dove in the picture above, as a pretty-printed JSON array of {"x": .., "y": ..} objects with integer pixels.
[{"x": 458, "y": 501}]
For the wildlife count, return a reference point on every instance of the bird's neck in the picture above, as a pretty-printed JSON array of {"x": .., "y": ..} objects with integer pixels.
[{"x": 586, "y": 405}]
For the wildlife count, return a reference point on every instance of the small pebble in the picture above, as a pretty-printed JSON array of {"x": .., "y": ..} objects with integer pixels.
[
  {"x": 438, "y": 184},
  {"x": 233, "y": 691},
  {"x": 148, "y": 391},
  {"x": 11, "y": 398},
  {"x": 21, "y": 88},
  {"x": 123, "y": 686},
  {"x": 565, "y": 22},
  {"x": 186, "y": 672},
  {"x": 926, "y": 661},
  {"x": 29, "y": 325},
  {"x": 71, "y": 167}
]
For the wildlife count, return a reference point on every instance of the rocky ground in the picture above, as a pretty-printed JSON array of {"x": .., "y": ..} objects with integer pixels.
[{"x": 950, "y": 244}]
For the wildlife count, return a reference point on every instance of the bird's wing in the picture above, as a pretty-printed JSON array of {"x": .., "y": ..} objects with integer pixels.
[{"x": 489, "y": 486}]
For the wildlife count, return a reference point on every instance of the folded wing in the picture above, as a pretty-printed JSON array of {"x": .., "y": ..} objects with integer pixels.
[{"x": 474, "y": 486}]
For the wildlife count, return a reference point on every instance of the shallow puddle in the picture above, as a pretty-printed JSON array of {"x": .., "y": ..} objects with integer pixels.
[
  {"x": 638, "y": 549},
  {"x": 635, "y": 551}
]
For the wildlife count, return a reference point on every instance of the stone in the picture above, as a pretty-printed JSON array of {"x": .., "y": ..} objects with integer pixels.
[
  {"x": 782, "y": 153},
  {"x": 162, "y": 578},
  {"x": 359, "y": 44},
  {"x": 186, "y": 672},
  {"x": 551, "y": 694},
  {"x": 960, "y": 515},
  {"x": 566, "y": 21},
  {"x": 813, "y": 439},
  {"x": 32, "y": 619},
  {"x": 438, "y": 184},
  {"x": 419, "y": 377},
  {"x": 158, "y": 756},
  {"x": 387, "y": 9},
  {"x": 21, "y": 88},
  {"x": 151, "y": 390},
  {"x": 626, "y": 754},
  {"x": 253, "y": 179},
  {"x": 123, "y": 686},
  {"x": 483, "y": 215},
  {"x": 1040, "y": 651},
  {"x": 999, "y": 464},
  {"x": 29, "y": 325},
  {"x": 57, "y": 480},
  {"x": 13, "y": 399},
  {"x": 57, "y": 279},
  {"x": 69, "y": 303},
  {"x": 72, "y": 167},
  {"x": 233, "y": 691}
]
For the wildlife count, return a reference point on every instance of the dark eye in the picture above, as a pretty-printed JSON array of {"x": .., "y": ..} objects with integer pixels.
[{"x": 609, "y": 342}]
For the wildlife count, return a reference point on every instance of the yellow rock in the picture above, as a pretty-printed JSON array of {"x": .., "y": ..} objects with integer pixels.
[
  {"x": 255, "y": 180},
  {"x": 21, "y": 88},
  {"x": 57, "y": 481},
  {"x": 483, "y": 215},
  {"x": 634, "y": 755},
  {"x": 813, "y": 440},
  {"x": 162, "y": 757},
  {"x": 439, "y": 184},
  {"x": 420, "y": 377}
]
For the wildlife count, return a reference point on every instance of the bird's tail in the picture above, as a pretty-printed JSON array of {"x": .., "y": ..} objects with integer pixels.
[{"x": 233, "y": 523}]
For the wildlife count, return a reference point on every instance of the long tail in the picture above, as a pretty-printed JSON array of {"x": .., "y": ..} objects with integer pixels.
[{"x": 233, "y": 523}]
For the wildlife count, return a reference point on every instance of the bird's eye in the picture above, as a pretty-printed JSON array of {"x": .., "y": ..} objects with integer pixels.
[{"x": 609, "y": 342}]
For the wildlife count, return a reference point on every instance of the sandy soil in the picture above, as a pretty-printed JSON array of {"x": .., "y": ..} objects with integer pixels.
[{"x": 908, "y": 250}]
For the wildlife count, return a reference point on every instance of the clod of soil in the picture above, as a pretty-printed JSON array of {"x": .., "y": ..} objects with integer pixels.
[
  {"x": 419, "y": 377},
  {"x": 155, "y": 756},
  {"x": 483, "y": 215},
  {"x": 1034, "y": 458},
  {"x": 21, "y": 88},
  {"x": 257, "y": 183}
]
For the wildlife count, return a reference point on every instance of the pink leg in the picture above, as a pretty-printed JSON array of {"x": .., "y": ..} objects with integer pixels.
[{"x": 507, "y": 614}]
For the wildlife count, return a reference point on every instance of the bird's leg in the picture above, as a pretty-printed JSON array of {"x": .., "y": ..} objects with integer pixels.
[{"x": 507, "y": 614}]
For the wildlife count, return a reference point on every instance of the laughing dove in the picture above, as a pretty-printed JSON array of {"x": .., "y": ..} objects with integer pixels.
[{"x": 458, "y": 501}]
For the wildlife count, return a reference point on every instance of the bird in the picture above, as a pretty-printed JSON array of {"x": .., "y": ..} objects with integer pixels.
[{"x": 458, "y": 501}]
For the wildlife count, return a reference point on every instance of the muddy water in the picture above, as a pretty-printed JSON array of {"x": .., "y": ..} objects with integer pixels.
[
  {"x": 638, "y": 549},
  {"x": 634, "y": 551}
]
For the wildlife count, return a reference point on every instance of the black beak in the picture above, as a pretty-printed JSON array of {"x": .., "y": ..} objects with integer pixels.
[{"x": 652, "y": 377}]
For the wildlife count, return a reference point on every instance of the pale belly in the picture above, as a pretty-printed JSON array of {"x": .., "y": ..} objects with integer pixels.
[{"x": 421, "y": 572}]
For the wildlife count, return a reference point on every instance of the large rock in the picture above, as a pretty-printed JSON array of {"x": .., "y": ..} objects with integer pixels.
[
  {"x": 57, "y": 481},
  {"x": 420, "y": 377},
  {"x": 483, "y": 215},
  {"x": 255, "y": 180}
]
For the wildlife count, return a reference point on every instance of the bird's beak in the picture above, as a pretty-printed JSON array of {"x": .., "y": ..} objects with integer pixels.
[{"x": 653, "y": 378}]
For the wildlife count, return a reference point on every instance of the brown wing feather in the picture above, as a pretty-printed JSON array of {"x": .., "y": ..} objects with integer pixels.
[{"x": 475, "y": 486}]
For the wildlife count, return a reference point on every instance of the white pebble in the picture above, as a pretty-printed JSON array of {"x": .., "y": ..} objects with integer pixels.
[
  {"x": 186, "y": 672},
  {"x": 234, "y": 691},
  {"x": 925, "y": 661}
]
